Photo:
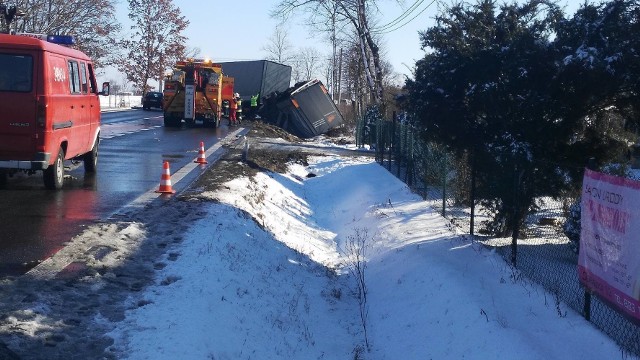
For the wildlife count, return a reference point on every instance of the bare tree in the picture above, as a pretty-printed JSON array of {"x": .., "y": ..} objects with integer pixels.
[
  {"x": 332, "y": 10},
  {"x": 356, "y": 13},
  {"x": 192, "y": 52},
  {"x": 279, "y": 49},
  {"x": 91, "y": 22},
  {"x": 156, "y": 42},
  {"x": 322, "y": 18},
  {"x": 356, "y": 247},
  {"x": 297, "y": 74},
  {"x": 353, "y": 80},
  {"x": 309, "y": 62},
  {"x": 328, "y": 66}
]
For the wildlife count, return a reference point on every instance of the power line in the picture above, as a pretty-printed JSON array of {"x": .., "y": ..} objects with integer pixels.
[
  {"x": 400, "y": 17},
  {"x": 388, "y": 30}
]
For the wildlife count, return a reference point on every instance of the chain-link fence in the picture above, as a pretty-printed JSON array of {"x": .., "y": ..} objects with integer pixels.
[{"x": 544, "y": 253}]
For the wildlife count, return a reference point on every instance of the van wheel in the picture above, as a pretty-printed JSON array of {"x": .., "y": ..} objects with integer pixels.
[
  {"x": 54, "y": 175},
  {"x": 3, "y": 179},
  {"x": 91, "y": 159}
]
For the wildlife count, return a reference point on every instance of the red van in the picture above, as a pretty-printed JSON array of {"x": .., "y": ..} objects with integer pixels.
[{"x": 49, "y": 108}]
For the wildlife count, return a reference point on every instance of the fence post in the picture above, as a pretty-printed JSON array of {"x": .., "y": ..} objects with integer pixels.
[
  {"x": 591, "y": 165},
  {"x": 444, "y": 184},
  {"x": 392, "y": 145},
  {"x": 400, "y": 150},
  {"x": 376, "y": 139},
  {"x": 410, "y": 160},
  {"x": 587, "y": 305},
  {"x": 473, "y": 193},
  {"x": 381, "y": 143},
  {"x": 516, "y": 220},
  {"x": 424, "y": 180},
  {"x": 358, "y": 133}
]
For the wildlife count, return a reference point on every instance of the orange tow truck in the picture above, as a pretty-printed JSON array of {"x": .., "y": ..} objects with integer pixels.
[{"x": 193, "y": 93}]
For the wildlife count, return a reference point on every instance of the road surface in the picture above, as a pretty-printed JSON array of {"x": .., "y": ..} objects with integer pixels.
[{"x": 134, "y": 144}]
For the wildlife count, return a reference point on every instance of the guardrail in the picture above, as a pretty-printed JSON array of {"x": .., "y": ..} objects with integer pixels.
[{"x": 120, "y": 101}]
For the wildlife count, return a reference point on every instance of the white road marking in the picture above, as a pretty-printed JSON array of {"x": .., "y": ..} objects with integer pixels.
[{"x": 78, "y": 250}]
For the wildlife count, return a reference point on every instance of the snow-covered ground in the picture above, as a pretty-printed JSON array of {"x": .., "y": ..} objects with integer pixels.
[{"x": 271, "y": 272}]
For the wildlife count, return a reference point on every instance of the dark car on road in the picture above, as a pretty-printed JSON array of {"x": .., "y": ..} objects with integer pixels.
[{"x": 152, "y": 99}]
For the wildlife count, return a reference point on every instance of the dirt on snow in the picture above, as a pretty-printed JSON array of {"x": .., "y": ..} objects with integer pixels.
[{"x": 67, "y": 315}]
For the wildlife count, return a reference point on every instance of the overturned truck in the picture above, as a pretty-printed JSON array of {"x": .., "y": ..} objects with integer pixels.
[
  {"x": 304, "y": 110},
  {"x": 257, "y": 77}
]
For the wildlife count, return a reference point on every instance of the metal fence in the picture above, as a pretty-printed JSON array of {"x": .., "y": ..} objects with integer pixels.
[{"x": 544, "y": 254}]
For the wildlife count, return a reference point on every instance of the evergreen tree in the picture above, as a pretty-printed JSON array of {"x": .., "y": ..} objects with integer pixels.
[
  {"x": 529, "y": 94},
  {"x": 599, "y": 53},
  {"x": 485, "y": 90}
]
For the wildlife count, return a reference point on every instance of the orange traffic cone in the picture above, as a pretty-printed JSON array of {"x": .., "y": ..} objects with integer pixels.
[
  {"x": 165, "y": 180},
  {"x": 201, "y": 158}
]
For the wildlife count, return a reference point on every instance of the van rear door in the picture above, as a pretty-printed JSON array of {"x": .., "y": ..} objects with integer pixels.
[{"x": 18, "y": 104}]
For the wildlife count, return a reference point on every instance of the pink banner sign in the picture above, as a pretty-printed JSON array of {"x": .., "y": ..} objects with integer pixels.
[{"x": 609, "y": 259}]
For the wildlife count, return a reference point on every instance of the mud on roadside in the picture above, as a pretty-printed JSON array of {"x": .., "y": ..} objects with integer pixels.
[
  {"x": 69, "y": 315},
  {"x": 270, "y": 149}
]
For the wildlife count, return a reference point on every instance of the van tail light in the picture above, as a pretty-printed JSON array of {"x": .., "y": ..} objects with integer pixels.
[
  {"x": 41, "y": 121},
  {"x": 41, "y": 113}
]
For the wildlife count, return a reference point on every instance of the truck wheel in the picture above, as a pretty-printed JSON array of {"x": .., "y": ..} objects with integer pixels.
[
  {"x": 210, "y": 123},
  {"x": 171, "y": 121},
  {"x": 91, "y": 159},
  {"x": 53, "y": 176}
]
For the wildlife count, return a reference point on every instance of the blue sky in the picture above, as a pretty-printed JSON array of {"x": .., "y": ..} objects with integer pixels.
[{"x": 239, "y": 30}]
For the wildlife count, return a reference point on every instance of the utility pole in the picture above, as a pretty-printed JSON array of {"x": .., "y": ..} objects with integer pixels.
[{"x": 340, "y": 78}]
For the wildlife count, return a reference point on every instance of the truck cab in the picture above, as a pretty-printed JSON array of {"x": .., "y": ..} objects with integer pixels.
[{"x": 193, "y": 94}]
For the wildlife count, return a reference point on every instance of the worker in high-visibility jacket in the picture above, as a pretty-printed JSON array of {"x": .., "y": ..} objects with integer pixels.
[
  {"x": 239, "y": 109},
  {"x": 233, "y": 107},
  {"x": 254, "y": 106}
]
